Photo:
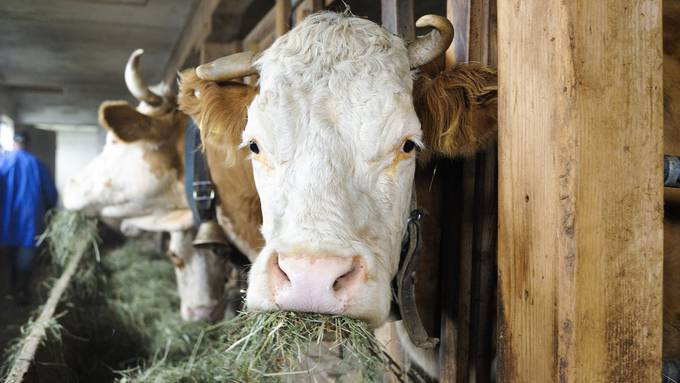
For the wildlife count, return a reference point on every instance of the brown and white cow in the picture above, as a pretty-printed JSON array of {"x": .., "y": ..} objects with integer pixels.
[
  {"x": 138, "y": 177},
  {"x": 331, "y": 136}
]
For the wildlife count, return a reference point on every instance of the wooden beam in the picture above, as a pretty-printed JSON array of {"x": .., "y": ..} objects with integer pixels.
[
  {"x": 317, "y": 5},
  {"x": 471, "y": 22},
  {"x": 196, "y": 30},
  {"x": 580, "y": 190},
  {"x": 212, "y": 51},
  {"x": 263, "y": 31},
  {"x": 458, "y": 12},
  {"x": 306, "y": 8},
  {"x": 397, "y": 17},
  {"x": 283, "y": 10}
]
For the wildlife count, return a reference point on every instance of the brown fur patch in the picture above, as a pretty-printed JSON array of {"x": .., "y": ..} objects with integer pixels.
[
  {"x": 220, "y": 110},
  {"x": 169, "y": 154},
  {"x": 165, "y": 130},
  {"x": 458, "y": 109},
  {"x": 129, "y": 125}
]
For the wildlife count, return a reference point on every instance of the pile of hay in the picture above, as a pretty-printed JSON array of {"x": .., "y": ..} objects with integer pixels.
[
  {"x": 66, "y": 235},
  {"x": 120, "y": 321},
  {"x": 277, "y": 346}
]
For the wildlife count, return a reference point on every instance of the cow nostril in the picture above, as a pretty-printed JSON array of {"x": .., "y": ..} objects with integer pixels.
[
  {"x": 279, "y": 277},
  {"x": 349, "y": 278}
]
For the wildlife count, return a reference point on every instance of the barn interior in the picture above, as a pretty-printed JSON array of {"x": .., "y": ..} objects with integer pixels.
[{"x": 528, "y": 263}]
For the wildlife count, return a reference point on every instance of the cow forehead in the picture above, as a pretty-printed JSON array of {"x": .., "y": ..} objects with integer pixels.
[
  {"x": 370, "y": 123},
  {"x": 334, "y": 75},
  {"x": 336, "y": 51}
]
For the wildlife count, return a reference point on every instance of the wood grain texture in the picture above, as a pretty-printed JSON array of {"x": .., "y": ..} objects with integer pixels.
[
  {"x": 282, "y": 20},
  {"x": 580, "y": 190},
  {"x": 467, "y": 324},
  {"x": 196, "y": 30},
  {"x": 397, "y": 17}
]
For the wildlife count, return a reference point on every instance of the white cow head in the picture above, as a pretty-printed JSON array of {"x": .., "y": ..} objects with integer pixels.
[
  {"x": 333, "y": 135},
  {"x": 140, "y": 167},
  {"x": 201, "y": 276},
  {"x": 138, "y": 176}
]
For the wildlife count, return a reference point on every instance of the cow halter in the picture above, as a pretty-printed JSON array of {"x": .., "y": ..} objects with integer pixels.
[
  {"x": 403, "y": 286},
  {"x": 200, "y": 192}
]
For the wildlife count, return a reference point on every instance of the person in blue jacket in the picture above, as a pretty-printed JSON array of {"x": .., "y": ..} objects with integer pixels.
[{"x": 27, "y": 191}]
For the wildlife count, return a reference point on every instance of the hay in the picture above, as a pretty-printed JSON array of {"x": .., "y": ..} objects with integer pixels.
[
  {"x": 122, "y": 314},
  {"x": 273, "y": 347},
  {"x": 67, "y": 235},
  {"x": 53, "y": 333},
  {"x": 64, "y": 231}
]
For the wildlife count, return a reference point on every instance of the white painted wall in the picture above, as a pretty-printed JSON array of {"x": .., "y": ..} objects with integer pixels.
[{"x": 74, "y": 150}]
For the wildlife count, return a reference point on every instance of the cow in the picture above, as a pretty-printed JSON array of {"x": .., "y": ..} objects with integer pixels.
[
  {"x": 138, "y": 177},
  {"x": 331, "y": 139},
  {"x": 332, "y": 135}
]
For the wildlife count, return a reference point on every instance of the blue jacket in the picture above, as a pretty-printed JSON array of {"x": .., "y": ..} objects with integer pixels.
[{"x": 26, "y": 193}]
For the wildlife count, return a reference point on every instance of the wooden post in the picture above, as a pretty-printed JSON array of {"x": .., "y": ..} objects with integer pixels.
[
  {"x": 306, "y": 8},
  {"x": 317, "y": 5},
  {"x": 580, "y": 190},
  {"x": 283, "y": 9},
  {"x": 196, "y": 30},
  {"x": 467, "y": 322},
  {"x": 397, "y": 17}
]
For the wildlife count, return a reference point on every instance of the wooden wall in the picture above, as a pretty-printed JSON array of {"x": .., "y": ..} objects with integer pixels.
[{"x": 580, "y": 195}]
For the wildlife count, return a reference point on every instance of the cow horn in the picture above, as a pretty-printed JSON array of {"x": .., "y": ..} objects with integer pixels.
[
  {"x": 427, "y": 48},
  {"x": 136, "y": 85},
  {"x": 228, "y": 67}
]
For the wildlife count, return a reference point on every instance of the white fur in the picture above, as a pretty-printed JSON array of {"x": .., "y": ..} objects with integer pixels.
[
  {"x": 119, "y": 183},
  {"x": 333, "y": 110},
  {"x": 200, "y": 281},
  {"x": 120, "y": 175},
  {"x": 172, "y": 220}
]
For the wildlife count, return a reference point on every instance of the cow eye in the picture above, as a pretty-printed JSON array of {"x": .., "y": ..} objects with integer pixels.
[
  {"x": 253, "y": 147},
  {"x": 408, "y": 146}
]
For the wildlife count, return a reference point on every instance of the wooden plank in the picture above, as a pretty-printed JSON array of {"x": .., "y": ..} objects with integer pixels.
[
  {"x": 580, "y": 190},
  {"x": 465, "y": 271},
  {"x": 483, "y": 283},
  {"x": 317, "y": 5},
  {"x": 196, "y": 30},
  {"x": 458, "y": 12},
  {"x": 397, "y": 17},
  {"x": 451, "y": 230},
  {"x": 263, "y": 30},
  {"x": 27, "y": 353},
  {"x": 306, "y": 8},
  {"x": 211, "y": 51},
  {"x": 282, "y": 20},
  {"x": 483, "y": 267}
]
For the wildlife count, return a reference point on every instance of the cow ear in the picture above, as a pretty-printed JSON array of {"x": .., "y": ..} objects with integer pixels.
[
  {"x": 458, "y": 109},
  {"x": 128, "y": 124},
  {"x": 218, "y": 108}
]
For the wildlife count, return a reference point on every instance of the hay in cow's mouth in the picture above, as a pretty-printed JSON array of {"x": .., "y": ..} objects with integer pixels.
[
  {"x": 287, "y": 343},
  {"x": 276, "y": 346}
]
